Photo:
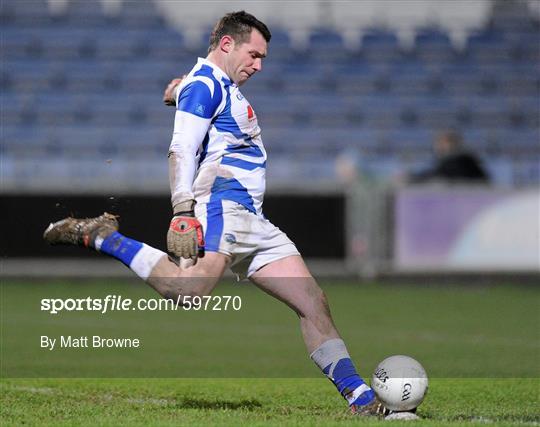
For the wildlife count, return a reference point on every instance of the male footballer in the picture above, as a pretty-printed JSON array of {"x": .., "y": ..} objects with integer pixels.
[{"x": 217, "y": 165}]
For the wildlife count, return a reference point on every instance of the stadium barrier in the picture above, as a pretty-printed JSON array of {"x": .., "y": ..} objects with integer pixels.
[{"x": 365, "y": 230}]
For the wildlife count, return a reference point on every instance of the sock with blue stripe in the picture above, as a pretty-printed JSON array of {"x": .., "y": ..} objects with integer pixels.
[
  {"x": 138, "y": 256},
  {"x": 333, "y": 359}
]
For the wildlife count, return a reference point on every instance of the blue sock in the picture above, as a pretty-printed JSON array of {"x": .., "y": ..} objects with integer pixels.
[
  {"x": 138, "y": 256},
  {"x": 334, "y": 360},
  {"x": 120, "y": 247},
  {"x": 351, "y": 386}
]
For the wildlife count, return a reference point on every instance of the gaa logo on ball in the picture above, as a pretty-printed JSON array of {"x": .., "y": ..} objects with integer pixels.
[{"x": 400, "y": 382}]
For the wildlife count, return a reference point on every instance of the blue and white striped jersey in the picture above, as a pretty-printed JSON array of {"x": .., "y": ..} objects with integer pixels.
[{"x": 230, "y": 160}]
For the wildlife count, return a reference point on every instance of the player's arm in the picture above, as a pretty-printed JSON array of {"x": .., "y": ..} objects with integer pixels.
[{"x": 197, "y": 104}]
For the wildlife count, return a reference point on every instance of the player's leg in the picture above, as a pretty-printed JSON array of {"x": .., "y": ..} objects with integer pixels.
[
  {"x": 289, "y": 280},
  {"x": 171, "y": 281},
  {"x": 152, "y": 265}
]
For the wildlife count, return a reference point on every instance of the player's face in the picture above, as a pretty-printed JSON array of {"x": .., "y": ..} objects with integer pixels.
[{"x": 246, "y": 58}]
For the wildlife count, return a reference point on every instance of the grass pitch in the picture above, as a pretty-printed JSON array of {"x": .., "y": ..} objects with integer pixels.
[
  {"x": 255, "y": 401},
  {"x": 479, "y": 345}
]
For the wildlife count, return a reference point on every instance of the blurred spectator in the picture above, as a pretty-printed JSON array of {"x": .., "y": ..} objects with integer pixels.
[{"x": 453, "y": 163}]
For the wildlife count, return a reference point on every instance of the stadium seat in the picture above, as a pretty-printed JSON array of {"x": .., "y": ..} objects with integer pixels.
[
  {"x": 144, "y": 15},
  {"x": 488, "y": 46},
  {"x": 523, "y": 111},
  {"x": 17, "y": 44},
  {"x": 413, "y": 78},
  {"x": 405, "y": 140},
  {"x": 26, "y": 76},
  {"x": 115, "y": 43},
  {"x": 24, "y": 13},
  {"x": 151, "y": 76},
  {"x": 165, "y": 44},
  {"x": 20, "y": 113},
  {"x": 326, "y": 46},
  {"x": 281, "y": 50},
  {"x": 84, "y": 13},
  {"x": 306, "y": 81},
  {"x": 89, "y": 83},
  {"x": 61, "y": 43},
  {"x": 380, "y": 46},
  {"x": 271, "y": 81},
  {"x": 525, "y": 172},
  {"x": 432, "y": 44},
  {"x": 511, "y": 17},
  {"x": 272, "y": 111},
  {"x": 373, "y": 111},
  {"x": 91, "y": 76}
]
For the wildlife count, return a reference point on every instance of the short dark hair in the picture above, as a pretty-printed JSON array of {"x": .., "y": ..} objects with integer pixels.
[{"x": 238, "y": 25}]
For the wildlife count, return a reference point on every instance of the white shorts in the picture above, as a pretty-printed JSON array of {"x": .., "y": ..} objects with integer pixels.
[{"x": 249, "y": 239}]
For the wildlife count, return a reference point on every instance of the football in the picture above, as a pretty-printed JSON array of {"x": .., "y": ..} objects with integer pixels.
[{"x": 400, "y": 382}]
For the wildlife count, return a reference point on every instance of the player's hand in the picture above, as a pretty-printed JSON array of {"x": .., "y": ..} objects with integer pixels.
[
  {"x": 185, "y": 237},
  {"x": 169, "y": 95}
]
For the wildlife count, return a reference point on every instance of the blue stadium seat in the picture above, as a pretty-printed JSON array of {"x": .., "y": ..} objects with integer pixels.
[
  {"x": 413, "y": 78},
  {"x": 20, "y": 44},
  {"x": 524, "y": 111},
  {"x": 272, "y": 80},
  {"x": 21, "y": 111},
  {"x": 524, "y": 45},
  {"x": 165, "y": 44},
  {"x": 139, "y": 141},
  {"x": 511, "y": 16},
  {"x": 24, "y": 13},
  {"x": 58, "y": 42},
  {"x": 431, "y": 44},
  {"x": 380, "y": 46},
  {"x": 151, "y": 76},
  {"x": 84, "y": 13},
  {"x": 373, "y": 111},
  {"x": 487, "y": 46},
  {"x": 280, "y": 49},
  {"x": 25, "y": 142},
  {"x": 328, "y": 110},
  {"x": 440, "y": 112},
  {"x": 88, "y": 76},
  {"x": 26, "y": 76},
  {"x": 521, "y": 140},
  {"x": 405, "y": 140},
  {"x": 472, "y": 84},
  {"x": 357, "y": 79},
  {"x": 486, "y": 111},
  {"x": 114, "y": 43},
  {"x": 315, "y": 140},
  {"x": 141, "y": 15},
  {"x": 305, "y": 81},
  {"x": 91, "y": 88},
  {"x": 525, "y": 171},
  {"x": 326, "y": 46},
  {"x": 504, "y": 141},
  {"x": 272, "y": 111}
]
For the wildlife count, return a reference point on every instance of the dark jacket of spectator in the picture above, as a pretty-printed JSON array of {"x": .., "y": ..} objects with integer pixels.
[{"x": 453, "y": 163}]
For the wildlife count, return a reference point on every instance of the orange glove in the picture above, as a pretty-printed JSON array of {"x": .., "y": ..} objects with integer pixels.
[{"x": 185, "y": 236}]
